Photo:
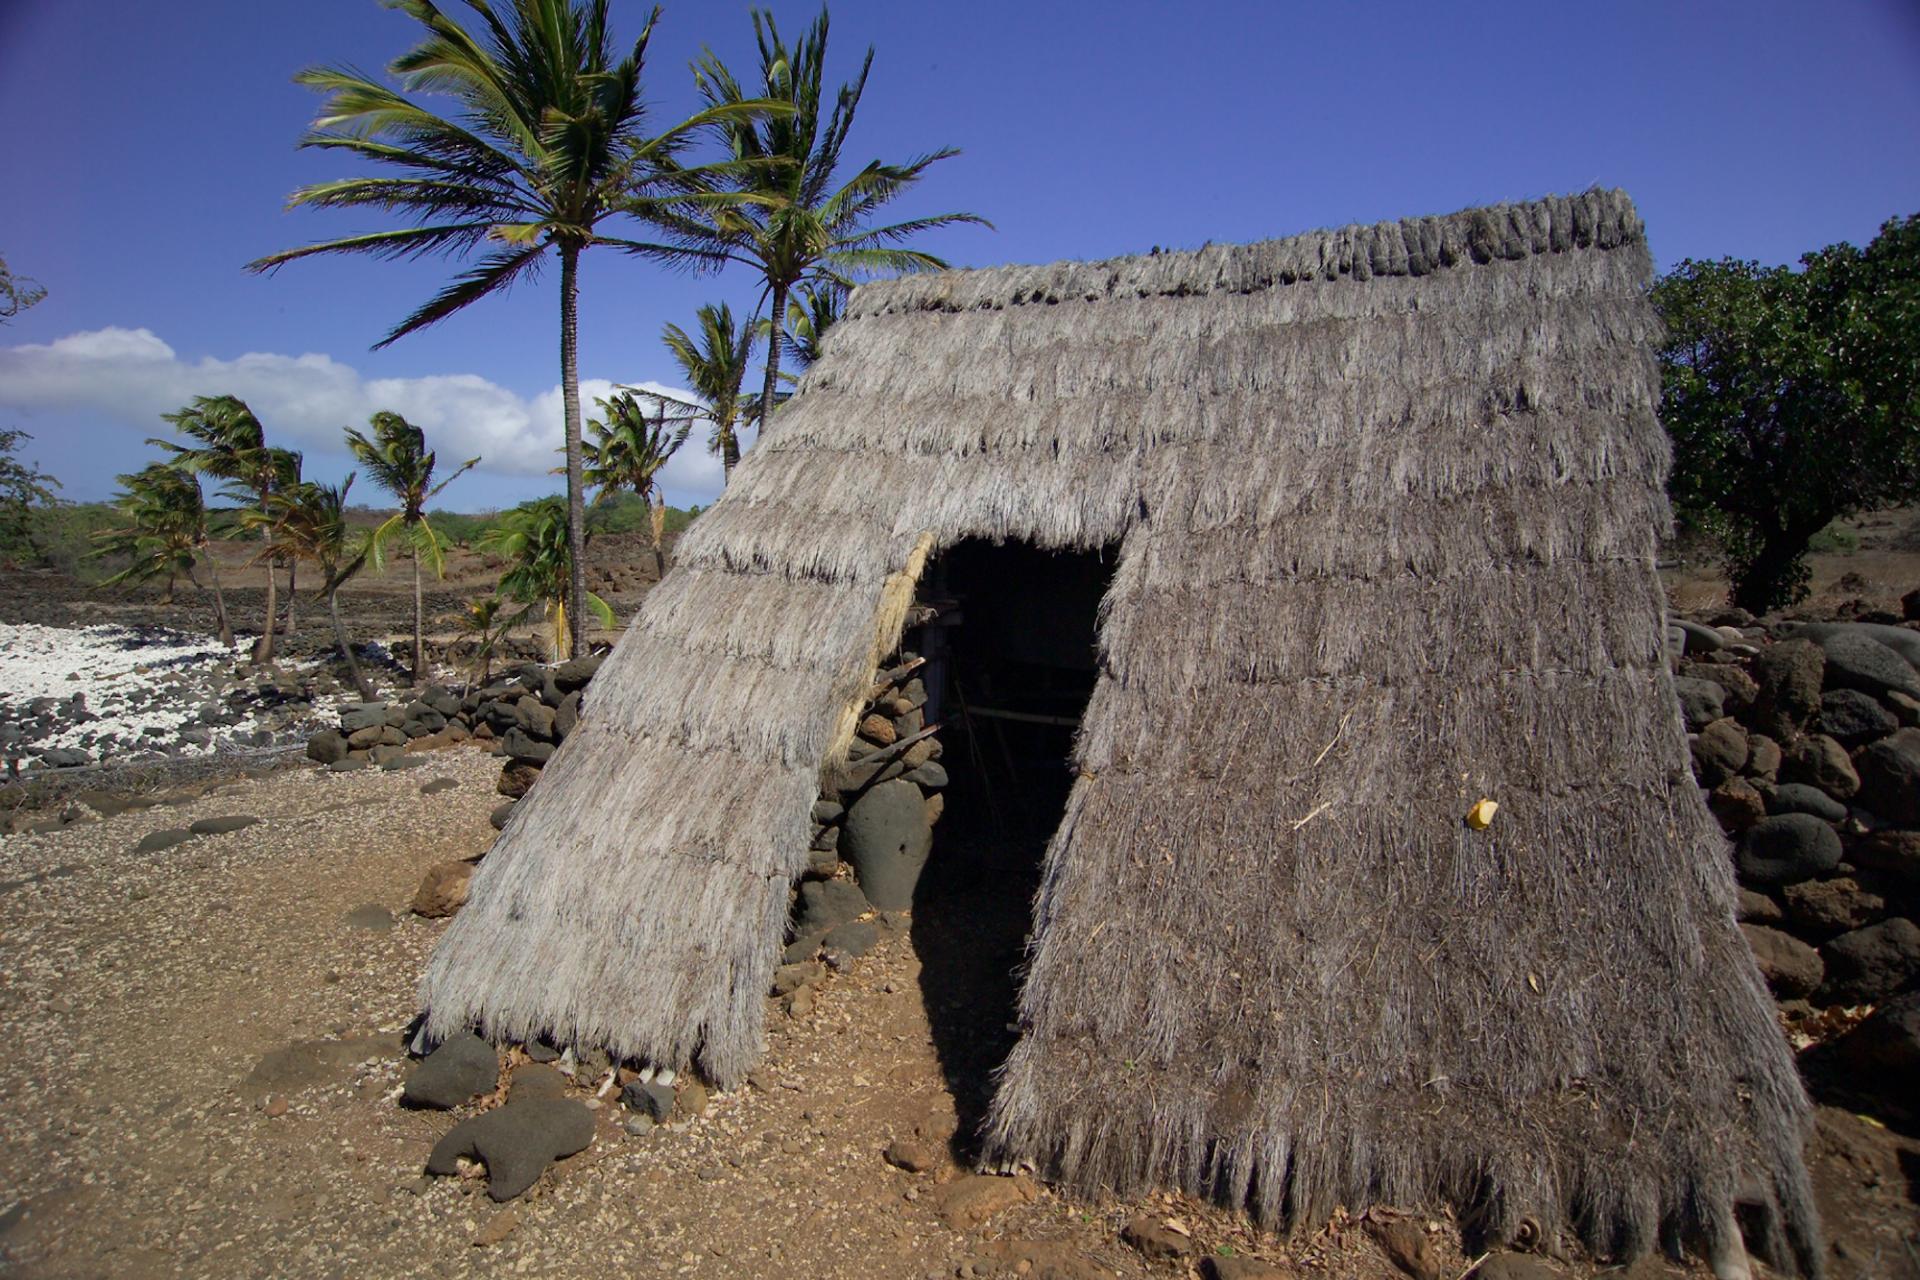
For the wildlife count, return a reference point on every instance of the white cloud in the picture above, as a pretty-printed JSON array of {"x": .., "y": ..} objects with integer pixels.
[{"x": 306, "y": 400}]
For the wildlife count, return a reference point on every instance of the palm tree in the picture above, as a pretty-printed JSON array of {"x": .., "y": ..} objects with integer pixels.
[
  {"x": 532, "y": 539},
  {"x": 548, "y": 140},
  {"x": 796, "y": 225},
  {"x": 629, "y": 449},
  {"x": 484, "y": 622},
  {"x": 813, "y": 309},
  {"x": 166, "y": 533},
  {"x": 399, "y": 461},
  {"x": 715, "y": 366},
  {"x": 230, "y": 445},
  {"x": 286, "y": 465},
  {"x": 308, "y": 521}
]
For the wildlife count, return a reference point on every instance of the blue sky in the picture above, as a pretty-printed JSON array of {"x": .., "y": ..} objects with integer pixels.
[{"x": 150, "y": 148}]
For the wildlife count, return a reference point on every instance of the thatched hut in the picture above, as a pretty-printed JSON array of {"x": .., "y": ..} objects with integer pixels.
[{"x": 1385, "y": 501}]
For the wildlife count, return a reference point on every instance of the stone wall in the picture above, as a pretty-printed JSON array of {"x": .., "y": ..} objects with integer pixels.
[{"x": 1806, "y": 739}]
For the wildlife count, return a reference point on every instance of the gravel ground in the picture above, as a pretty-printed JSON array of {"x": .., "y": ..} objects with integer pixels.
[{"x": 138, "y": 992}]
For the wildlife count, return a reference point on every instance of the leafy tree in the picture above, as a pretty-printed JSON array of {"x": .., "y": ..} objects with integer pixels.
[
  {"x": 629, "y": 449},
  {"x": 397, "y": 458},
  {"x": 796, "y": 225},
  {"x": 17, "y": 293},
  {"x": 228, "y": 443},
  {"x": 532, "y": 539},
  {"x": 165, "y": 533},
  {"x": 1791, "y": 397},
  {"x": 548, "y": 139},
  {"x": 716, "y": 365},
  {"x": 308, "y": 522},
  {"x": 23, "y": 487}
]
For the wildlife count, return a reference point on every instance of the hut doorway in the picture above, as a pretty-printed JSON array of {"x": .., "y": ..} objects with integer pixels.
[{"x": 1009, "y": 632}]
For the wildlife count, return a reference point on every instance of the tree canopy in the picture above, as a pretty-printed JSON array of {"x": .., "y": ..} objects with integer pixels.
[{"x": 1791, "y": 398}]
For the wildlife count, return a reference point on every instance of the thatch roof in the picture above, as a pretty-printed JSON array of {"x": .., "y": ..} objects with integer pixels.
[{"x": 1387, "y": 500}]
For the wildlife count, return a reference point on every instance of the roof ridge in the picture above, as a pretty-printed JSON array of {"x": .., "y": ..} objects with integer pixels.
[{"x": 1594, "y": 219}]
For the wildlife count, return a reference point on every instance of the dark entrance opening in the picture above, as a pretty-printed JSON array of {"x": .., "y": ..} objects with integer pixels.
[{"x": 1009, "y": 633}]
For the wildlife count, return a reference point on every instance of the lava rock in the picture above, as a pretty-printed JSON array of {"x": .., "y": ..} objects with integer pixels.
[
  {"x": 1719, "y": 753},
  {"x": 1756, "y": 908},
  {"x": 933, "y": 774},
  {"x": 566, "y": 716},
  {"x": 649, "y": 1098},
  {"x": 443, "y": 890},
  {"x": 1515, "y": 1266},
  {"x": 827, "y": 811},
  {"x": 1737, "y": 805},
  {"x": 854, "y": 938},
  {"x": 517, "y": 778},
  {"x": 500, "y": 815},
  {"x": 1763, "y": 757},
  {"x": 887, "y": 839},
  {"x": 1823, "y": 908},
  {"x": 1856, "y": 661},
  {"x": 223, "y": 825},
  {"x": 365, "y": 716},
  {"x": 534, "y": 718},
  {"x": 520, "y": 746},
  {"x": 826, "y": 903},
  {"x": 327, "y": 747},
  {"x": 1152, "y": 1240},
  {"x": 536, "y": 1080},
  {"x": 1699, "y": 639},
  {"x": 1819, "y": 761},
  {"x": 166, "y": 838},
  {"x": 1701, "y": 701},
  {"x": 1896, "y": 853},
  {"x": 1851, "y": 717},
  {"x": 370, "y": 916},
  {"x": 1791, "y": 967},
  {"x": 1788, "y": 848},
  {"x": 1889, "y": 772},
  {"x": 460, "y": 1068},
  {"x": 1872, "y": 963},
  {"x": 1789, "y": 675},
  {"x": 575, "y": 674},
  {"x": 1741, "y": 688},
  {"x": 516, "y": 1142},
  {"x": 1798, "y": 797},
  {"x": 1886, "y": 1047},
  {"x": 439, "y": 785}
]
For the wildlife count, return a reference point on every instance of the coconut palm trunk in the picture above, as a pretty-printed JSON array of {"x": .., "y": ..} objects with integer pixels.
[
  {"x": 570, "y": 396},
  {"x": 419, "y": 635},
  {"x": 219, "y": 602},
  {"x": 657, "y": 518},
  {"x": 293, "y": 569},
  {"x": 263, "y": 647},
  {"x": 360, "y": 680},
  {"x": 773, "y": 373}
]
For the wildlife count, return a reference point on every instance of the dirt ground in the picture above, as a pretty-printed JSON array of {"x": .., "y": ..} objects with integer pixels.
[
  {"x": 1877, "y": 562},
  {"x": 139, "y": 992}
]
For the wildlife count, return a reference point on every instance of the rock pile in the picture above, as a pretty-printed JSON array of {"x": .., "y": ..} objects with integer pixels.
[
  {"x": 874, "y": 818},
  {"x": 523, "y": 716},
  {"x": 1806, "y": 739}
]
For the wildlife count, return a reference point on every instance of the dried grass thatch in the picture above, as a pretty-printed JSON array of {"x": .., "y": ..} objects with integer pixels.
[{"x": 1387, "y": 499}]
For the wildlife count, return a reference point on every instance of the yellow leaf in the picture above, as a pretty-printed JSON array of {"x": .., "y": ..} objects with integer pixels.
[{"x": 1480, "y": 817}]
